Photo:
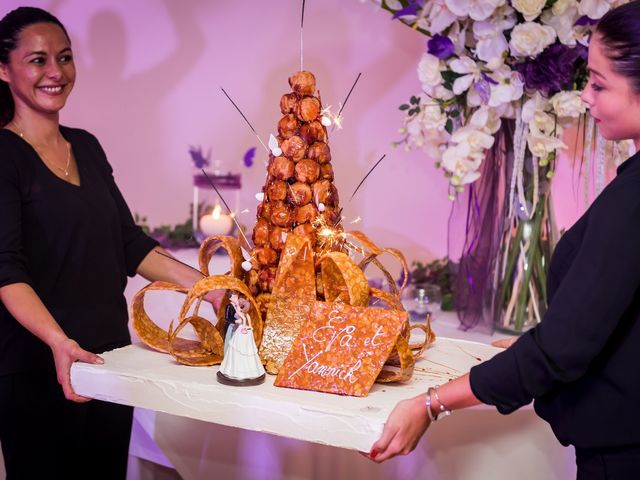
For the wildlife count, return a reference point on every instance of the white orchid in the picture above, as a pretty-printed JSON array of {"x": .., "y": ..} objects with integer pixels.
[
  {"x": 436, "y": 17},
  {"x": 508, "y": 88},
  {"x": 477, "y": 140},
  {"x": 469, "y": 70},
  {"x": 536, "y": 103},
  {"x": 486, "y": 119},
  {"x": 541, "y": 145},
  {"x": 476, "y": 9},
  {"x": 462, "y": 163},
  {"x": 489, "y": 34}
]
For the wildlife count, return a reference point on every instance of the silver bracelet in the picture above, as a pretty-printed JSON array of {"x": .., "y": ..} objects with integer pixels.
[
  {"x": 443, "y": 409},
  {"x": 427, "y": 402}
]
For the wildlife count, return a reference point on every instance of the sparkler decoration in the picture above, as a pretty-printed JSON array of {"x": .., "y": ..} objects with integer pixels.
[
  {"x": 338, "y": 117},
  {"x": 365, "y": 177},
  {"x": 302, "y": 38},
  {"x": 246, "y": 120},
  {"x": 178, "y": 261}
]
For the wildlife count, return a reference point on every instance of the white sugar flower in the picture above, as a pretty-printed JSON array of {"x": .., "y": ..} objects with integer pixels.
[
  {"x": 568, "y": 104},
  {"x": 430, "y": 72},
  {"x": 476, "y": 9},
  {"x": 594, "y": 9},
  {"x": 469, "y": 70},
  {"x": 461, "y": 163},
  {"x": 529, "y": 39},
  {"x": 530, "y": 9}
]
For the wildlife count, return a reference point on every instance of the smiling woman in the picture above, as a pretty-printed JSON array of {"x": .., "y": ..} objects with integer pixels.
[{"x": 67, "y": 243}]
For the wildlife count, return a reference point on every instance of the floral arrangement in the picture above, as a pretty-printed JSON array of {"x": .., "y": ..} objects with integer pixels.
[
  {"x": 489, "y": 60},
  {"x": 500, "y": 81}
]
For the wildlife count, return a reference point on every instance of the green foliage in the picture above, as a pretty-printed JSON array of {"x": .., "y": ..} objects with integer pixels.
[{"x": 170, "y": 236}]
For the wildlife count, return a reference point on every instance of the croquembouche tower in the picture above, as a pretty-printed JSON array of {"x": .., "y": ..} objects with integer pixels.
[{"x": 299, "y": 195}]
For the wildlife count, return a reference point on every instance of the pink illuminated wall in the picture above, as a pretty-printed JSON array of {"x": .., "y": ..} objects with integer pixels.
[{"x": 149, "y": 73}]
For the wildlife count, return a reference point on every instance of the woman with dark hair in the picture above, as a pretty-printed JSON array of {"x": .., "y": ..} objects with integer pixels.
[
  {"x": 579, "y": 364},
  {"x": 67, "y": 244}
]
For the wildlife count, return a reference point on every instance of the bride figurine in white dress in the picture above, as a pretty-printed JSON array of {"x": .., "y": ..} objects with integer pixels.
[{"x": 241, "y": 364}]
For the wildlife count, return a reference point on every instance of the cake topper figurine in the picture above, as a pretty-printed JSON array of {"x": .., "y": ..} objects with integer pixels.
[{"x": 241, "y": 365}]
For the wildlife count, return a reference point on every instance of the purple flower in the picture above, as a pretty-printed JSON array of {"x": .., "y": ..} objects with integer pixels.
[
  {"x": 554, "y": 69},
  {"x": 440, "y": 46},
  {"x": 411, "y": 9},
  {"x": 198, "y": 159},
  {"x": 584, "y": 20},
  {"x": 483, "y": 89}
]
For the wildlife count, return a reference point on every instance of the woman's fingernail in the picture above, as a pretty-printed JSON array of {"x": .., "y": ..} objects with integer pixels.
[{"x": 374, "y": 453}]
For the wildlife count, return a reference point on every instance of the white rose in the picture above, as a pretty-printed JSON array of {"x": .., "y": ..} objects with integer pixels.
[
  {"x": 562, "y": 5},
  {"x": 563, "y": 23},
  {"x": 530, "y": 9},
  {"x": 594, "y": 9},
  {"x": 529, "y": 39},
  {"x": 429, "y": 70},
  {"x": 568, "y": 104}
]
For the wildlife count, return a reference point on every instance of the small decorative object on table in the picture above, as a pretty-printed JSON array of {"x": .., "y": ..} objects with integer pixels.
[
  {"x": 241, "y": 365},
  {"x": 208, "y": 216}
]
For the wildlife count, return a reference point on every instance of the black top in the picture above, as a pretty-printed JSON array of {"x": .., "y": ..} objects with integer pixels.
[
  {"x": 580, "y": 364},
  {"x": 74, "y": 245}
]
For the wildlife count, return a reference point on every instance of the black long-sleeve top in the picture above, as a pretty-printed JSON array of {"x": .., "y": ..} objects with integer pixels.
[
  {"x": 580, "y": 364},
  {"x": 74, "y": 245}
]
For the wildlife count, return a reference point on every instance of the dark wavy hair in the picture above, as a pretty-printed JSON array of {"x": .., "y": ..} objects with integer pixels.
[
  {"x": 619, "y": 31},
  {"x": 10, "y": 27}
]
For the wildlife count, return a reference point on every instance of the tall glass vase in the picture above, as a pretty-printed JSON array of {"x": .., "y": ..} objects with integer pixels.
[{"x": 520, "y": 271}]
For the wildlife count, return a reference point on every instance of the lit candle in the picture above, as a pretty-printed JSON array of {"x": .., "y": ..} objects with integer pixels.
[{"x": 216, "y": 223}]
